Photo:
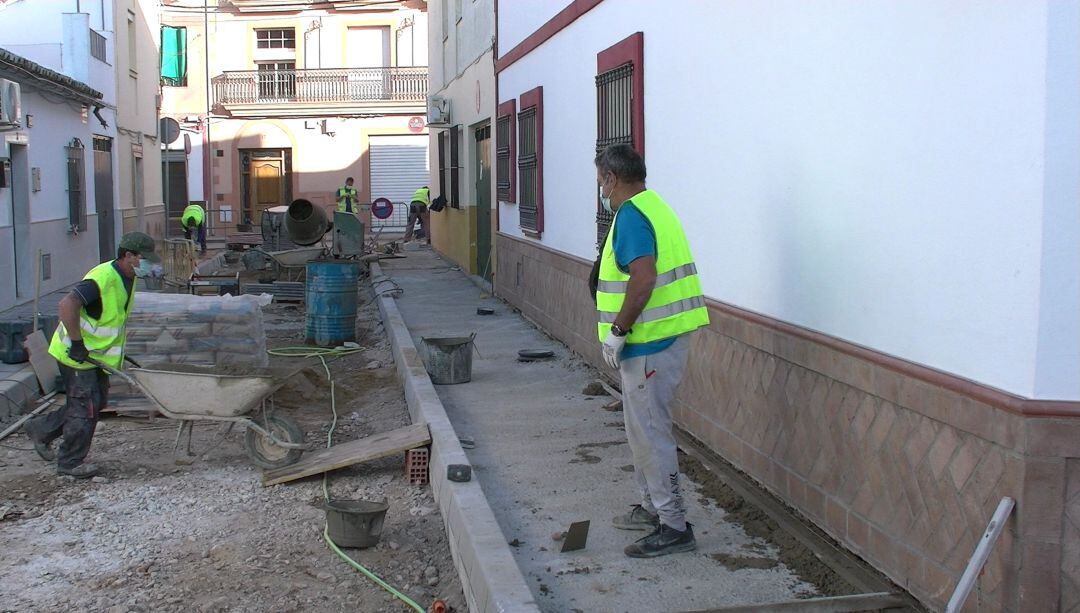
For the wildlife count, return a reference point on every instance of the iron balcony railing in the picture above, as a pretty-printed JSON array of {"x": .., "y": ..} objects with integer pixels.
[{"x": 271, "y": 85}]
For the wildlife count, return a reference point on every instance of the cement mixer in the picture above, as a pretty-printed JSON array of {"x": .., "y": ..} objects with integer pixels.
[{"x": 306, "y": 224}]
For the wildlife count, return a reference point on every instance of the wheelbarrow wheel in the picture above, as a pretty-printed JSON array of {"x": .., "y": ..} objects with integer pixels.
[{"x": 264, "y": 452}]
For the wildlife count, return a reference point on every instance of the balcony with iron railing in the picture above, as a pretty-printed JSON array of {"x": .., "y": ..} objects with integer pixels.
[{"x": 293, "y": 92}]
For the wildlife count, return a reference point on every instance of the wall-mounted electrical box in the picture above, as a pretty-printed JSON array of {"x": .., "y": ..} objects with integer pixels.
[
  {"x": 35, "y": 179},
  {"x": 5, "y": 173}
]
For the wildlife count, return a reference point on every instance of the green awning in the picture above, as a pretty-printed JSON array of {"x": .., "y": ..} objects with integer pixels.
[{"x": 173, "y": 56}]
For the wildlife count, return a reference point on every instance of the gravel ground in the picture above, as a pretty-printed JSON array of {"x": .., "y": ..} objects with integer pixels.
[{"x": 149, "y": 535}]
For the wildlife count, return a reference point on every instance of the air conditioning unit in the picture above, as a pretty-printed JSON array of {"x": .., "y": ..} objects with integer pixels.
[
  {"x": 438, "y": 111},
  {"x": 10, "y": 104}
]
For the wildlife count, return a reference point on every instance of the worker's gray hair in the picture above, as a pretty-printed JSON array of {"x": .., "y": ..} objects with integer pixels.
[{"x": 623, "y": 161}]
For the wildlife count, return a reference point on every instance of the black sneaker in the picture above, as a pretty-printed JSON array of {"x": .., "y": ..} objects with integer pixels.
[
  {"x": 82, "y": 471},
  {"x": 637, "y": 519},
  {"x": 663, "y": 541},
  {"x": 40, "y": 447}
]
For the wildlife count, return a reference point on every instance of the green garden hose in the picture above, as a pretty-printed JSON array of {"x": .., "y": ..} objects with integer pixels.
[{"x": 322, "y": 354}]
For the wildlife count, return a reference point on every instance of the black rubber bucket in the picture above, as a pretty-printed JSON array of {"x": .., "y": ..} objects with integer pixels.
[{"x": 355, "y": 523}]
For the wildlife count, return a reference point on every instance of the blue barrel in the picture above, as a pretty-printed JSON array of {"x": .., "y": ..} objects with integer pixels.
[{"x": 331, "y": 302}]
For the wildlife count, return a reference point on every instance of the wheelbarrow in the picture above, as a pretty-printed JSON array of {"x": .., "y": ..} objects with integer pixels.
[{"x": 190, "y": 393}]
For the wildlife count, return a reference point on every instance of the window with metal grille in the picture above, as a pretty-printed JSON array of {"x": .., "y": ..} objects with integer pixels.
[
  {"x": 505, "y": 144},
  {"x": 448, "y": 166},
  {"x": 76, "y": 179},
  {"x": 284, "y": 38},
  {"x": 277, "y": 80},
  {"x": 455, "y": 183},
  {"x": 613, "y": 126},
  {"x": 530, "y": 162},
  {"x": 620, "y": 106}
]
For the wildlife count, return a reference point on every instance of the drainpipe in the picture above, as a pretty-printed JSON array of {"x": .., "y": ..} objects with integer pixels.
[{"x": 208, "y": 170}]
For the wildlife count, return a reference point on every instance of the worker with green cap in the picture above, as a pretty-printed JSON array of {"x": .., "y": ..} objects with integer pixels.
[
  {"x": 194, "y": 218},
  {"x": 93, "y": 317}
]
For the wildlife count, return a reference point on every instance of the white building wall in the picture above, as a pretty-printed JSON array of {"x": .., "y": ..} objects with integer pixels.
[
  {"x": 520, "y": 18},
  {"x": 55, "y": 124},
  {"x": 884, "y": 173}
]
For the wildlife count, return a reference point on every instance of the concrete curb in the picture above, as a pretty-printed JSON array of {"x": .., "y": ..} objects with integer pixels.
[
  {"x": 18, "y": 390},
  {"x": 489, "y": 575}
]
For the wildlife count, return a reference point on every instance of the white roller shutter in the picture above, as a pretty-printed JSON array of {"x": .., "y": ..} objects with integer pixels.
[{"x": 399, "y": 166}]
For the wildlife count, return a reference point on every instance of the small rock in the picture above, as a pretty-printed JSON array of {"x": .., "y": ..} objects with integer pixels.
[
  {"x": 373, "y": 365},
  {"x": 433, "y": 581},
  {"x": 393, "y": 545},
  {"x": 594, "y": 388},
  {"x": 558, "y": 536},
  {"x": 431, "y": 571},
  {"x": 100, "y": 479},
  {"x": 325, "y": 576}
]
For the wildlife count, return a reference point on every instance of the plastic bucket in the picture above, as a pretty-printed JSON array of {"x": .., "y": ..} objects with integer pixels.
[
  {"x": 355, "y": 523},
  {"x": 331, "y": 302},
  {"x": 449, "y": 360}
]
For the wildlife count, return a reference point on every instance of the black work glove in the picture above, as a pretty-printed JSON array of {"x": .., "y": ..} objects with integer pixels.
[{"x": 78, "y": 351}]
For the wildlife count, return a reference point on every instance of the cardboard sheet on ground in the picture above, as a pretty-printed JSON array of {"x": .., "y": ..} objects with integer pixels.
[{"x": 352, "y": 452}]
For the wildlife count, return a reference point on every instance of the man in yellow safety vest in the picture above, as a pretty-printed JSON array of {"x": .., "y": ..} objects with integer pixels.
[
  {"x": 649, "y": 300},
  {"x": 194, "y": 218},
  {"x": 93, "y": 317},
  {"x": 346, "y": 198},
  {"x": 418, "y": 211}
]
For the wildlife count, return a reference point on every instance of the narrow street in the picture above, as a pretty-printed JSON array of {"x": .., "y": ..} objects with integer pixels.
[{"x": 149, "y": 535}]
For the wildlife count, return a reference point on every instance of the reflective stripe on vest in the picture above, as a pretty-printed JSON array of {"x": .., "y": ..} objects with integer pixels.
[
  {"x": 104, "y": 337},
  {"x": 676, "y": 305}
]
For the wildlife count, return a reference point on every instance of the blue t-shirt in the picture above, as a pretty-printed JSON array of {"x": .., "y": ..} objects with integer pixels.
[{"x": 634, "y": 238}]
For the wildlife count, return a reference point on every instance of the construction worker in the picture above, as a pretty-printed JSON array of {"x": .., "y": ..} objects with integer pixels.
[
  {"x": 649, "y": 300},
  {"x": 194, "y": 218},
  {"x": 346, "y": 198},
  {"x": 92, "y": 321},
  {"x": 418, "y": 211}
]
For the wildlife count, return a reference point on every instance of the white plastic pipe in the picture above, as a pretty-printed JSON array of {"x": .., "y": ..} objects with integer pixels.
[{"x": 982, "y": 552}]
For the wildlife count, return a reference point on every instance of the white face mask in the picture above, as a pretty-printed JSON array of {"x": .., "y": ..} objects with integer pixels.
[
  {"x": 144, "y": 269},
  {"x": 605, "y": 201}
]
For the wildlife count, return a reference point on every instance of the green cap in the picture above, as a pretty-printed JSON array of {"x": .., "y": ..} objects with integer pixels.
[{"x": 140, "y": 243}]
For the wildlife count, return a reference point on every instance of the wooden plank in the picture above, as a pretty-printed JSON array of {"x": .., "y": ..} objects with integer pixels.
[
  {"x": 44, "y": 365},
  {"x": 846, "y": 564},
  {"x": 833, "y": 604},
  {"x": 353, "y": 452}
]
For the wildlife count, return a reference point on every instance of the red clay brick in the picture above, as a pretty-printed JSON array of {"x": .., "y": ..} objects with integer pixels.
[
  {"x": 835, "y": 517},
  {"x": 942, "y": 451},
  {"x": 1041, "y": 509},
  {"x": 858, "y": 532}
]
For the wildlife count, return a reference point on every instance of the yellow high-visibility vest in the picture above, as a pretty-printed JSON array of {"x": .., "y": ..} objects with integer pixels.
[
  {"x": 345, "y": 196},
  {"x": 193, "y": 212},
  {"x": 103, "y": 337},
  {"x": 422, "y": 195},
  {"x": 677, "y": 305}
]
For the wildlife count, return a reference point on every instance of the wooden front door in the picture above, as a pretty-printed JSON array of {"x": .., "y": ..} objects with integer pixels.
[{"x": 266, "y": 181}]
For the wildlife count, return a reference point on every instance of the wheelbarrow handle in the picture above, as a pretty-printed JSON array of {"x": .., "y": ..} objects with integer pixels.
[{"x": 114, "y": 371}]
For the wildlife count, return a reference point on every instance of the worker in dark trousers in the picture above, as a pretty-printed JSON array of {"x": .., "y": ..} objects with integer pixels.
[
  {"x": 418, "y": 211},
  {"x": 93, "y": 317},
  {"x": 194, "y": 219}
]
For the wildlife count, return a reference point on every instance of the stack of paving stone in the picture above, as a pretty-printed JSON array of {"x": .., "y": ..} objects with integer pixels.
[{"x": 204, "y": 330}]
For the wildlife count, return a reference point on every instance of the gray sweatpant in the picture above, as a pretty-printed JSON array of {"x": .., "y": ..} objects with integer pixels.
[{"x": 648, "y": 387}]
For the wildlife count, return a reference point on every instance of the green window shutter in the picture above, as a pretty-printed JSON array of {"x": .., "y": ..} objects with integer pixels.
[{"x": 173, "y": 56}]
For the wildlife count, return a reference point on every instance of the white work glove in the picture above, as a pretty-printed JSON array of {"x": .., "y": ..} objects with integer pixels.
[{"x": 613, "y": 346}]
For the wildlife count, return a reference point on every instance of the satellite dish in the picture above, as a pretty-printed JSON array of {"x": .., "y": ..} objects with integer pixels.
[{"x": 170, "y": 130}]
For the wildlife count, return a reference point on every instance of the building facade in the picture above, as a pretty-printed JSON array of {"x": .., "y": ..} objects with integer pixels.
[
  {"x": 78, "y": 41},
  {"x": 462, "y": 83},
  {"x": 138, "y": 89},
  {"x": 885, "y": 219},
  {"x": 299, "y": 100}
]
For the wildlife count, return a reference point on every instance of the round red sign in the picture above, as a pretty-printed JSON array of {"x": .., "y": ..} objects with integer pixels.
[
  {"x": 382, "y": 208},
  {"x": 416, "y": 124}
]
